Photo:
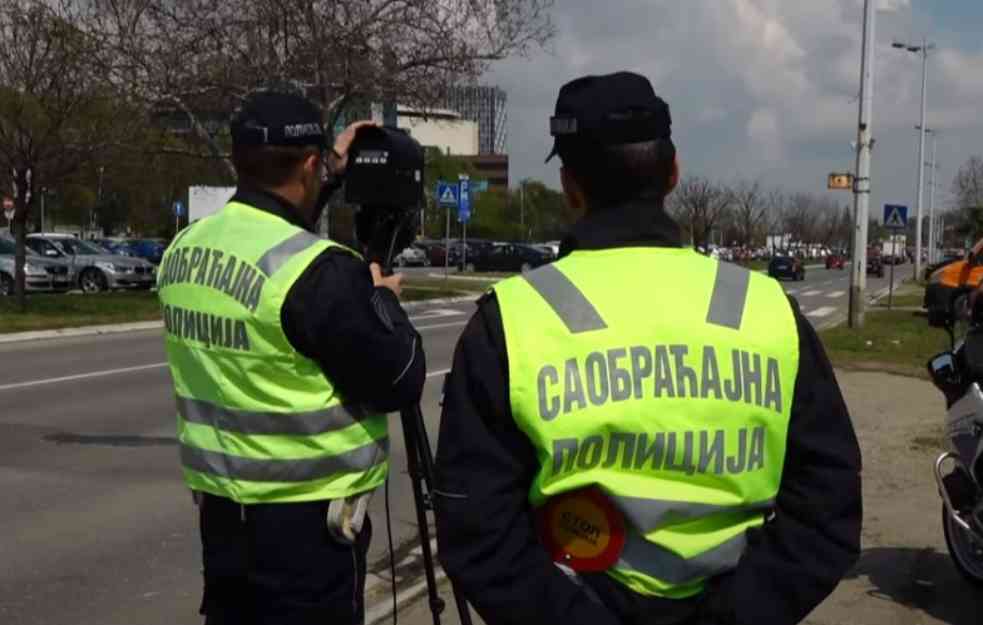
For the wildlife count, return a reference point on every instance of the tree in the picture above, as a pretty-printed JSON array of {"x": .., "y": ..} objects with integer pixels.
[
  {"x": 801, "y": 218},
  {"x": 967, "y": 187},
  {"x": 198, "y": 59},
  {"x": 699, "y": 205},
  {"x": 55, "y": 114},
  {"x": 775, "y": 202},
  {"x": 750, "y": 210}
]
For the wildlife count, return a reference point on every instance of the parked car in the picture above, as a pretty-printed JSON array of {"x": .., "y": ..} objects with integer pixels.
[
  {"x": 474, "y": 251},
  {"x": 40, "y": 274},
  {"x": 151, "y": 250},
  {"x": 509, "y": 257},
  {"x": 875, "y": 265},
  {"x": 411, "y": 257},
  {"x": 95, "y": 270},
  {"x": 835, "y": 261},
  {"x": 436, "y": 252},
  {"x": 547, "y": 249},
  {"x": 786, "y": 267},
  {"x": 113, "y": 246}
]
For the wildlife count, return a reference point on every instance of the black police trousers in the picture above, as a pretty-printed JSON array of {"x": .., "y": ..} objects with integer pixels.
[{"x": 277, "y": 564}]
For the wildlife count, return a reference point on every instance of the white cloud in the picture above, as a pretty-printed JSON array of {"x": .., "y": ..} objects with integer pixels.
[
  {"x": 892, "y": 5},
  {"x": 776, "y": 80},
  {"x": 765, "y": 132}
]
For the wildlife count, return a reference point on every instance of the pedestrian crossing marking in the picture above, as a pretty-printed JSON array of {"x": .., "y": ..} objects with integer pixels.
[
  {"x": 836, "y": 294},
  {"x": 825, "y": 311},
  {"x": 811, "y": 293}
]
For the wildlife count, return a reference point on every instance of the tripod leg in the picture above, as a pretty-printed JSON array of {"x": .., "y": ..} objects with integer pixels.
[
  {"x": 425, "y": 455},
  {"x": 410, "y": 436}
]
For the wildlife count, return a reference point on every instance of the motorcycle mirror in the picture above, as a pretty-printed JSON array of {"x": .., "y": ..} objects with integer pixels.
[{"x": 942, "y": 370}]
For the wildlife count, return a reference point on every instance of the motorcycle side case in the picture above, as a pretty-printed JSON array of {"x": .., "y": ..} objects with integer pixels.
[{"x": 964, "y": 431}]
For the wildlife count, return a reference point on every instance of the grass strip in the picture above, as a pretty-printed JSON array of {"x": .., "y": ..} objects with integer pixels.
[{"x": 50, "y": 312}]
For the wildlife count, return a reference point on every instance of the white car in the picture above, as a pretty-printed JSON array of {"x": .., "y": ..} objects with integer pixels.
[{"x": 410, "y": 257}]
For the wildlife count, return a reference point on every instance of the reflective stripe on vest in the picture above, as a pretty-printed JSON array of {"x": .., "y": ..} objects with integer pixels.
[
  {"x": 664, "y": 378},
  {"x": 291, "y": 470},
  {"x": 258, "y": 422}
]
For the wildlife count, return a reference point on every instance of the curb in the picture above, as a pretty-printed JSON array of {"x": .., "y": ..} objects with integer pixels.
[
  {"x": 141, "y": 326},
  {"x": 62, "y": 333}
]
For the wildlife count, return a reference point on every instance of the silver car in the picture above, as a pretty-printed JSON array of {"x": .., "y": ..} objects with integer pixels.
[
  {"x": 96, "y": 268},
  {"x": 40, "y": 274}
]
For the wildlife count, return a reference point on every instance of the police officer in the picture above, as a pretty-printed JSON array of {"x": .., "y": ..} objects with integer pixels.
[
  {"x": 637, "y": 433},
  {"x": 287, "y": 351}
]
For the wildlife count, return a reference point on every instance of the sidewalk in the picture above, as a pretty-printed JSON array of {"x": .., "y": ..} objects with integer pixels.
[{"x": 904, "y": 576}]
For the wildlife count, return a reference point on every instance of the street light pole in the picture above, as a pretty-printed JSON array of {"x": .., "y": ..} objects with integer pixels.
[
  {"x": 923, "y": 50},
  {"x": 932, "y": 255},
  {"x": 921, "y": 166},
  {"x": 861, "y": 189}
]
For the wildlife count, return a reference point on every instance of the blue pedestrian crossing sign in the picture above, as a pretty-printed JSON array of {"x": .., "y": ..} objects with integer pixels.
[
  {"x": 447, "y": 194},
  {"x": 895, "y": 216},
  {"x": 179, "y": 208}
]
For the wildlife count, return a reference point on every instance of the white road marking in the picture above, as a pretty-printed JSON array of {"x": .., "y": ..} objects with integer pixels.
[
  {"x": 442, "y": 325},
  {"x": 99, "y": 374},
  {"x": 836, "y": 294},
  {"x": 825, "y": 311},
  {"x": 792, "y": 291},
  {"x": 82, "y": 376},
  {"x": 437, "y": 313},
  {"x": 811, "y": 293}
]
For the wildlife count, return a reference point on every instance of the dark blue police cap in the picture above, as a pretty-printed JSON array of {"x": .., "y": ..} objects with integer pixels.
[
  {"x": 613, "y": 109},
  {"x": 277, "y": 118}
]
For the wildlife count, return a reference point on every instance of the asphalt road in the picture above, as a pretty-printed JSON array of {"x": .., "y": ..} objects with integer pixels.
[{"x": 95, "y": 525}]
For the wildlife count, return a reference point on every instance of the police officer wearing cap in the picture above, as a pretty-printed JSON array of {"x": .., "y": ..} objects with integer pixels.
[
  {"x": 287, "y": 350},
  {"x": 636, "y": 433}
]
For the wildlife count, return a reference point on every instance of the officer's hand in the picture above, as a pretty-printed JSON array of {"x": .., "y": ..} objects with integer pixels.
[
  {"x": 343, "y": 142},
  {"x": 394, "y": 282}
]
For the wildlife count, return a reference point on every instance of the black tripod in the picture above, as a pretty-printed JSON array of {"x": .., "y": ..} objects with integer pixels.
[
  {"x": 419, "y": 462},
  {"x": 419, "y": 456}
]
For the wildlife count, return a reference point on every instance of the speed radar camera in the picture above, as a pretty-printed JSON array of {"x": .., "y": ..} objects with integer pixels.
[{"x": 385, "y": 168}]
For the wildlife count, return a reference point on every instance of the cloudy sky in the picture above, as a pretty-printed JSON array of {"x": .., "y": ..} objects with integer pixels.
[{"x": 767, "y": 88}]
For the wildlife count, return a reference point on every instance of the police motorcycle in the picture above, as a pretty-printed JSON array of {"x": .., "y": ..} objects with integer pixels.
[{"x": 958, "y": 373}]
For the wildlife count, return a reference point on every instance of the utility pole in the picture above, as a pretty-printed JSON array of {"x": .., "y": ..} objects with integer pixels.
[
  {"x": 44, "y": 192},
  {"x": 861, "y": 189}
]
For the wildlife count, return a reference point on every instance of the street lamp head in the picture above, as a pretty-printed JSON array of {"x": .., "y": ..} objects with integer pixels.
[
  {"x": 899, "y": 45},
  {"x": 914, "y": 48}
]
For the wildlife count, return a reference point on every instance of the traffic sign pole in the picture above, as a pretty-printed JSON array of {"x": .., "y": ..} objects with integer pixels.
[
  {"x": 463, "y": 213},
  {"x": 895, "y": 219},
  {"x": 890, "y": 287}
]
